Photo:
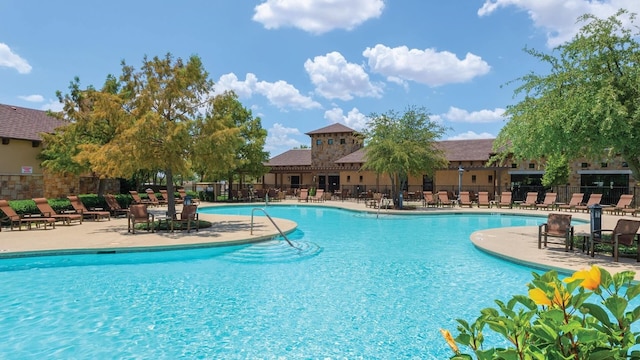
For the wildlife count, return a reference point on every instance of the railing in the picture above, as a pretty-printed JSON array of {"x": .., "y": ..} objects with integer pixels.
[{"x": 274, "y": 224}]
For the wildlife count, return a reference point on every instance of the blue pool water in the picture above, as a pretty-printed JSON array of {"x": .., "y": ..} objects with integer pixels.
[{"x": 357, "y": 286}]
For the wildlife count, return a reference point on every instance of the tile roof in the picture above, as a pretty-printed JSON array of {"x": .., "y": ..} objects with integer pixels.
[
  {"x": 295, "y": 157},
  {"x": 455, "y": 150},
  {"x": 25, "y": 124},
  {"x": 332, "y": 129}
]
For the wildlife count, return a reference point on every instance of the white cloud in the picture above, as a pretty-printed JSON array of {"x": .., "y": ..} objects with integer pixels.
[
  {"x": 317, "y": 16},
  {"x": 53, "y": 105},
  {"x": 279, "y": 138},
  {"x": 32, "y": 98},
  {"x": 470, "y": 135},
  {"x": 335, "y": 78},
  {"x": 476, "y": 117},
  {"x": 354, "y": 119},
  {"x": 12, "y": 60},
  {"x": 558, "y": 18},
  {"x": 280, "y": 93},
  {"x": 424, "y": 66}
]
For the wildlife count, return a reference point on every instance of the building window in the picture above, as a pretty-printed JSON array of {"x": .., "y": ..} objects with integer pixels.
[
  {"x": 330, "y": 141},
  {"x": 604, "y": 165},
  {"x": 343, "y": 141},
  {"x": 348, "y": 178},
  {"x": 318, "y": 142},
  {"x": 584, "y": 165},
  {"x": 532, "y": 166},
  {"x": 473, "y": 179},
  {"x": 514, "y": 166},
  {"x": 360, "y": 178},
  {"x": 490, "y": 180}
]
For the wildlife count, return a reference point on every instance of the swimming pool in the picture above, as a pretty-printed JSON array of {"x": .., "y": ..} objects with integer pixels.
[{"x": 357, "y": 287}]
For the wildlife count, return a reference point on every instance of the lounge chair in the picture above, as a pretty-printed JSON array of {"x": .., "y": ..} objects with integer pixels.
[
  {"x": 593, "y": 200},
  {"x": 443, "y": 199},
  {"x": 318, "y": 197},
  {"x": 165, "y": 196},
  {"x": 138, "y": 213},
  {"x": 428, "y": 199},
  {"x": 623, "y": 203},
  {"x": 79, "y": 207},
  {"x": 465, "y": 199},
  {"x": 576, "y": 199},
  {"x": 630, "y": 211},
  {"x": 303, "y": 195},
  {"x": 154, "y": 199},
  {"x": 138, "y": 200},
  {"x": 559, "y": 226},
  {"x": 483, "y": 199},
  {"x": 548, "y": 202},
  {"x": 16, "y": 221},
  {"x": 188, "y": 216},
  {"x": 624, "y": 233},
  {"x": 114, "y": 206},
  {"x": 47, "y": 211},
  {"x": 374, "y": 201},
  {"x": 530, "y": 201},
  {"x": 505, "y": 200}
]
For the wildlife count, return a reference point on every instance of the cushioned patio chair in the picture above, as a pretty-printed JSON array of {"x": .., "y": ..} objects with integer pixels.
[
  {"x": 505, "y": 200},
  {"x": 188, "y": 217},
  {"x": 318, "y": 197},
  {"x": 549, "y": 201},
  {"x": 428, "y": 200},
  {"x": 443, "y": 199},
  {"x": 558, "y": 226},
  {"x": 47, "y": 211},
  {"x": 303, "y": 195},
  {"x": 593, "y": 200},
  {"x": 625, "y": 233},
  {"x": 114, "y": 206},
  {"x": 79, "y": 207},
  {"x": 465, "y": 199},
  {"x": 16, "y": 221},
  {"x": 531, "y": 201},
  {"x": 138, "y": 213},
  {"x": 483, "y": 199},
  {"x": 623, "y": 203},
  {"x": 576, "y": 199},
  {"x": 183, "y": 194}
]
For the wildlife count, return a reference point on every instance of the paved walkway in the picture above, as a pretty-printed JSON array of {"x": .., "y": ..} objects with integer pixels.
[{"x": 516, "y": 243}]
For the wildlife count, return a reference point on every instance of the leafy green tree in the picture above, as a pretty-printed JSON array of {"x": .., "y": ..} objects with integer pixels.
[
  {"x": 557, "y": 171},
  {"x": 588, "y": 105},
  {"x": 403, "y": 145}
]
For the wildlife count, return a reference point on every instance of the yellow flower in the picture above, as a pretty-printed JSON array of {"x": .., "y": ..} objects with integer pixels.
[
  {"x": 560, "y": 297},
  {"x": 590, "y": 278},
  {"x": 539, "y": 297},
  {"x": 449, "y": 339}
]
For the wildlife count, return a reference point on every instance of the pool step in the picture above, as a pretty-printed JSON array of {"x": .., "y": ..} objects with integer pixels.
[{"x": 273, "y": 251}]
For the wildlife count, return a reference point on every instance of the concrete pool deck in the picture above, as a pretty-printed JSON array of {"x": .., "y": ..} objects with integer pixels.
[{"x": 519, "y": 244}]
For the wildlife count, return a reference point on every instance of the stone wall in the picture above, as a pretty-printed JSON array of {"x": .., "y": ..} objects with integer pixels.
[
  {"x": 16, "y": 187},
  {"x": 20, "y": 187}
]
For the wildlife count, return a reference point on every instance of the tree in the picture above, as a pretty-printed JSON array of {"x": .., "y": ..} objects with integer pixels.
[
  {"x": 589, "y": 103},
  {"x": 403, "y": 145},
  {"x": 557, "y": 170}
]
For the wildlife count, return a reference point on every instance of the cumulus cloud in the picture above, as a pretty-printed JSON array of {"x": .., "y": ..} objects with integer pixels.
[
  {"x": 558, "y": 18},
  {"x": 476, "y": 117},
  {"x": 470, "y": 135},
  {"x": 280, "y": 138},
  {"x": 279, "y": 93},
  {"x": 354, "y": 118},
  {"x": 427, "y": 66},
  {"x": 53, "y": 105},
  {"x": 335, "y": 78},
  {"x": 317, "y": 16},
  {"x": 12, "y": 60},
  {"x": 32, "y": 98}
]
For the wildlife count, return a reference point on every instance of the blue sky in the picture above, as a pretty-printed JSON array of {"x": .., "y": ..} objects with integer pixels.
[{"x": 300, "y": 65}]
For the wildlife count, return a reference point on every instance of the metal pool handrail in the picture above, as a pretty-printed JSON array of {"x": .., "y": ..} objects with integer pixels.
[{"x": 274, "y": 224}]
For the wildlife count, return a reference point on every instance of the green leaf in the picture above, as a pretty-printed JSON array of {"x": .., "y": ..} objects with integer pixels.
[
  {"x": 597, "y": 312},
  {"x": 616, "y": 305},
  {"x": 632, "y": 291}
]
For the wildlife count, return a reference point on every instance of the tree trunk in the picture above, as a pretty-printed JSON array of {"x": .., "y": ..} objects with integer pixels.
[
  {"x": 101, "y": 186},
  {"x": 171, "y": 201}
]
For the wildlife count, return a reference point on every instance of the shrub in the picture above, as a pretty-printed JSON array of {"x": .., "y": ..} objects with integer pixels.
[{"x": 556, "y": 320}]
